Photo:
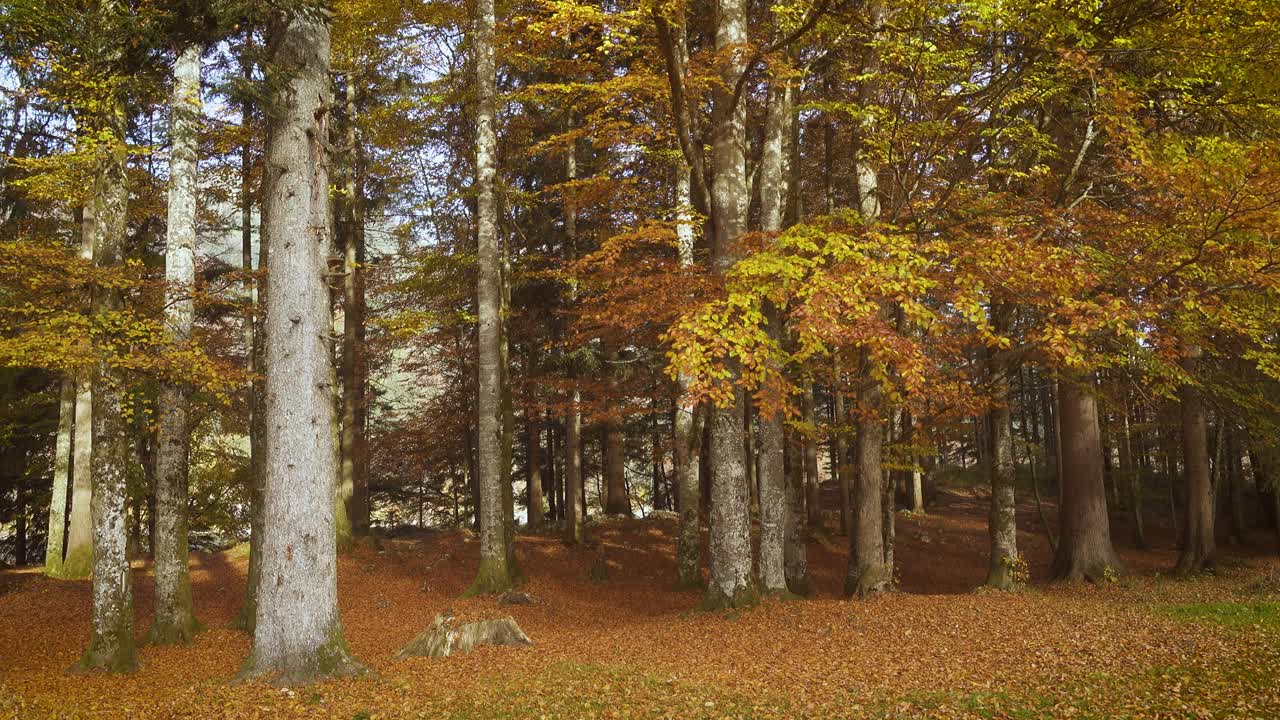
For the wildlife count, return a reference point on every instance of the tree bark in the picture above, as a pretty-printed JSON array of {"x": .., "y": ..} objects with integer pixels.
[
  {"x": 1132, "y": 473},
  {"x": 297, "y": 635},
  {"x": 175, "y": 620},
  {"x": 533, "y": 485},
  {"x": 111, "y": 647},
  {"x": 78, "y": 562},
  {"x": 796, "y": 528},
  {"x": 688, "y": 425},
  {"x": 1084, "y": 545},
  {"x": 353, "y": 491},
  {"x": 811, "y": 485},
  {"x": 867, "y": 572},
  {"x": 616, "y": 501},
  {"x": 774, "y": 508},
  {"x": 255, "y": 291},
  {"x": 732, "y": 582},
  {"x": 1197, "y": 552},
  {"x": 56, "y": 542},
  {"x": 494, "y": 574},
  {"x": 1002, "y": 524}
]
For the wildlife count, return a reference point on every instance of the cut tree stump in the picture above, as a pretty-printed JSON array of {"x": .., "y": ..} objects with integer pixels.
[{"x": 446, "y": 637}]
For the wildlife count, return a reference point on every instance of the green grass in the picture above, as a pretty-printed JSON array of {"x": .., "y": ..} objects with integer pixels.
[{"x": 1232, "y": 615}]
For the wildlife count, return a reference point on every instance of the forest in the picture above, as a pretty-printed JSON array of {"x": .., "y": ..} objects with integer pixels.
[{"x": 375, "y": 359}]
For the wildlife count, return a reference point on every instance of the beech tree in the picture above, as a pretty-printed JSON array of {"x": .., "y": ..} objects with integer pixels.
[{"x": 175, "y": 620}]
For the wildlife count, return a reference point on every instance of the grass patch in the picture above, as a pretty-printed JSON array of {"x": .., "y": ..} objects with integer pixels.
[{"x": 1232, "y": 615}]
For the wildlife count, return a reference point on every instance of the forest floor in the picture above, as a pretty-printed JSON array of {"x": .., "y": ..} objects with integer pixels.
[{"x": 631, "y": 646}]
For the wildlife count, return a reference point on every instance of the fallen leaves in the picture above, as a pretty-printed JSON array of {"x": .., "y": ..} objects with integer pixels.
[{"x": 630, "y": 648}]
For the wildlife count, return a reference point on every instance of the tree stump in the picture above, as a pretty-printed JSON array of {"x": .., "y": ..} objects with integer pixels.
[{"x": 447, "y": 637}]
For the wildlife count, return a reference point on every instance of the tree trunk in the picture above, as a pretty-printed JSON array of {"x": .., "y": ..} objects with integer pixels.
[
  {"x": 353, "y": 493},
  {"x": 1002, "y": 525},
  {"x": 1132, "y": 474},
  {"x": 812, "y": 495},
  {"x": 616, "y": 500},
  {"x": 1084, "y": 546},
  {"x": 1197, "y": 552},
  {"x": 867, "y": 572},
  {"x": 795, "y": 528},
  {"x": 79, "y": 553},
  {"x": 731, "y": 566},
  {"x": 57, "y": 536},
  {"x": 255, "y": 291},
  {"x": 533, "y": 485},
  {"x": 574, "y": 489},
  {"x": 112, "y": 645},
  {"x": 298, "y": 636},
  {"x": 688, "y": 425},
  {"x": 494, "y": 574},
  {"x": 840, "y": 459},
  {"x": 175, "y": 620}
]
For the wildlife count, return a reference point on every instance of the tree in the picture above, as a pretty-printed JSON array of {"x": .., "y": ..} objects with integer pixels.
[
  {"x": 297, "y": 635},
  {"x": 732, "y": 583},
  {"x": 1196, "y": 552},
  {"x": 111, "y": 647},
  {"x": 495, "y": 574},
  {"x": 1084, "y": 543},
  {"x": 56, "y": 539},
  {"x": 175, "y": 620}
]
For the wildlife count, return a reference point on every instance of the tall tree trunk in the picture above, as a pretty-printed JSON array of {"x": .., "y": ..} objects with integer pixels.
[
  {"x": 112, "y": 645},
  {"x": 255, "y": 291},
  {"x": 175, "y": 620},
  {"x": 297, "y": 633},
  {"x": 57, "y": 536},
  {"x": 574, "y": 489},
  {"x": 1197, "y": 552},
  {"x": 773, "y": 504},
  {"x": 867, "y": 572},
  {"x": 1132, "y": 473},
  {"x": 494, "y": 574},
  {"x": 353, "y": 490},
  {"x": 1084, "y": 546},
  {"x": 1002, "y": 524},
  {"x": 732, "y": 583},
  {"x": 79, "y": 554},
  {"x": 688, "y": 424}
]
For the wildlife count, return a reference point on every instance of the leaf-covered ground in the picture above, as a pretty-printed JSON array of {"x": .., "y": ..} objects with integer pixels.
[{"x": 1145, "y": 646}]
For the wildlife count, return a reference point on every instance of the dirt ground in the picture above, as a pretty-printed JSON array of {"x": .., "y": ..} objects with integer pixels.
[{"x": 632, "y": 646}]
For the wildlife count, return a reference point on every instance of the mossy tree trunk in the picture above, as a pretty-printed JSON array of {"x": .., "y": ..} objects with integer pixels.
[
  {"x": 174, "y": 612},
  {"x": 297, "y": 634}
]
